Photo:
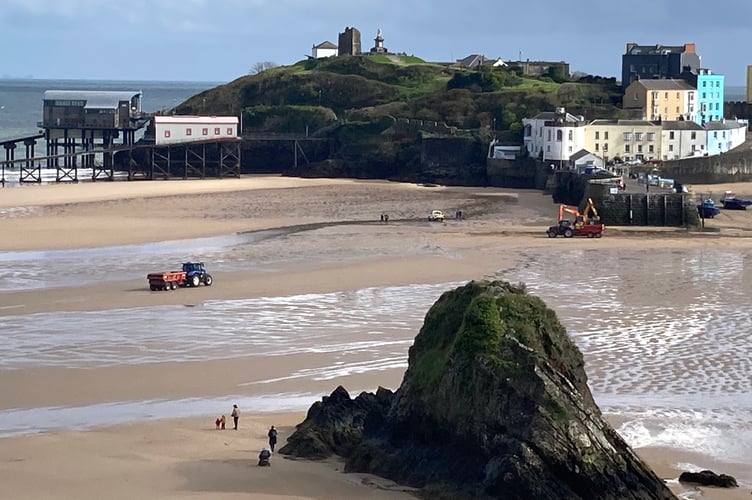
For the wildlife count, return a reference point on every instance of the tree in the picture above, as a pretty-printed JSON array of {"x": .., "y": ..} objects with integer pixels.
[{"x": 261, "y": 66}]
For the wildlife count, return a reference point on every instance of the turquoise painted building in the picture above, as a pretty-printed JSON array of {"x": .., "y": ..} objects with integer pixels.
[{"x": 709, "y": 94}]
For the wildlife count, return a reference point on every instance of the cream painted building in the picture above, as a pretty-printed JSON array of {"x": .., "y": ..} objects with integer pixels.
[
  {"x": 682, "y": 139},
  {"x": 664, "y": 99},
  {"x": 625, "y": 139},
  {"x": 749, "y": 83}
]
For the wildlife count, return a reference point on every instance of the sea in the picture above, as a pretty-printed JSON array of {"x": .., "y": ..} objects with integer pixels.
[
  {"x": 673, "y": 371},
  {"x": 21, "y": 99}
]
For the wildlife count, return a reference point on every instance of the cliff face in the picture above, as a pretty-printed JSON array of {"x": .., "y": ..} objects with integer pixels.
[{"x": 494, "y": 403}]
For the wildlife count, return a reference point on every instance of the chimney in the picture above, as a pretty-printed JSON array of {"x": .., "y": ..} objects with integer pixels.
[
  {"x": 689, "y": 47},
  {"x": 630, "y": 46}
]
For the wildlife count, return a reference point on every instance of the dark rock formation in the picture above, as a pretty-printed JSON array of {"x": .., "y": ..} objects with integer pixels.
[
  {"x": 709, "y": 478},
  {"x": 494, "y": 404}
]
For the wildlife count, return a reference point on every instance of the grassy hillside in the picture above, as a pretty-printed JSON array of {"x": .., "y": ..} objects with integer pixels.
[{"x": 361, "y": 98}]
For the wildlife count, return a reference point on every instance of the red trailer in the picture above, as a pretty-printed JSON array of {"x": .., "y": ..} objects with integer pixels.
[{"x": 192, "y": 274}]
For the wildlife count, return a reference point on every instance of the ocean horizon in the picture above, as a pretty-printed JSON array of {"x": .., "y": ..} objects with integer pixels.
[{"x": 21, "y": 99}]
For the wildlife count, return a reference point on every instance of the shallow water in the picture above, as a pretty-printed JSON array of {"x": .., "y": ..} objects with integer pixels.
[{"x": 666, "y": 345}]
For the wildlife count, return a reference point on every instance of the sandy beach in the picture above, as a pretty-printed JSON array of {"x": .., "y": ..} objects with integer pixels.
[{"x": 168, "y": 457}]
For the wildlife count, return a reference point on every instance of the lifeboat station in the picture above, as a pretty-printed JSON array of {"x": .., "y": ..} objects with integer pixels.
[{"x": 96, "y": 132}]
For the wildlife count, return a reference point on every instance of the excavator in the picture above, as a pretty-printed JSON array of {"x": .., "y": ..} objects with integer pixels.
[{"x": 586, "y": 223}]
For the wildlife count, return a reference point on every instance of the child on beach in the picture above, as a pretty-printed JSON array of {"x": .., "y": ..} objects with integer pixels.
[
  {"x": 222, "y": 421},
  {"x": 217, "y": 422}
]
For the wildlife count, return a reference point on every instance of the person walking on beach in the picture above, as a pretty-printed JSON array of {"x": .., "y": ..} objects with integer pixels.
[
  {"x": 235, "y": 415},
  {"x": 222, "y": 421},
  {"x": 272, "y": 438}
]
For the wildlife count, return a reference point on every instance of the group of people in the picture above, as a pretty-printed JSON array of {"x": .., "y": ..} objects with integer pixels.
[
  {"x": 384, "y": 217},
  {"x": 222, "y": 421},
  {"x": 266, "y": 453}
]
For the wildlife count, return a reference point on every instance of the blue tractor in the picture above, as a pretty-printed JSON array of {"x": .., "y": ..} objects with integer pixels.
[{"x": 195, "y": 274}]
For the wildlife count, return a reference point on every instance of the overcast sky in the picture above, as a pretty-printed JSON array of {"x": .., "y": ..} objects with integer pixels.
[{"x": 220, "y": 40}]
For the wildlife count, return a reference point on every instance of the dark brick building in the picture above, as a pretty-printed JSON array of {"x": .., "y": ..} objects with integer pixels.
[{"x": 649, "y": 62}]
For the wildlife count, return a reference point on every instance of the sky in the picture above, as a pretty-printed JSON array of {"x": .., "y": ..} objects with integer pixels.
[{"x": 220, "y": 40}]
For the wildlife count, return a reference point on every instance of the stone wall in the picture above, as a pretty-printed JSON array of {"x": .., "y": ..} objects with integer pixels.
[
  {"x": 734, "y": 166},
  {"x": 644, "y": 209},
  {"x": 525, "y": 173}
]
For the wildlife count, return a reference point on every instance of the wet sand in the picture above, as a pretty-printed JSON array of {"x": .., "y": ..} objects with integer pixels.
[{"x": 187, "y": 457}]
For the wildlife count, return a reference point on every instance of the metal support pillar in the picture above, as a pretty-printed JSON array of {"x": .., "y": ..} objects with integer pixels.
[{"x": 229, "y": 159}]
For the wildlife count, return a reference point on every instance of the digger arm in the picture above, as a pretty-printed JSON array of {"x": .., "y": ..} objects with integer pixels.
[{"x": 568, "y": 209}]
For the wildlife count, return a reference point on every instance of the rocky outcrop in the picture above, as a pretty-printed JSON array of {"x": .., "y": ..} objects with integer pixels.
[
  {"x": 494, "y": 404},
  {"x": 709, "y": 478}
]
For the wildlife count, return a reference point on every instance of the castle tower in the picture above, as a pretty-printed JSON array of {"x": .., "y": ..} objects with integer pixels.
[{"x": 349, "y": 42}]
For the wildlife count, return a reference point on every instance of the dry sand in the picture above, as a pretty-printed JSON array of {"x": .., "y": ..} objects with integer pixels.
[{"x": 187, "y": 458}]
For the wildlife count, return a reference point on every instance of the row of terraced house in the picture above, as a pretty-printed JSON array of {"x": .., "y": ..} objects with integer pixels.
[
  {"x": 675, "y": 109},
  {"x": 556, "y": 136}
]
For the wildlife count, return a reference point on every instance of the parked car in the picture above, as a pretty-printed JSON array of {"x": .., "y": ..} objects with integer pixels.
[{"x": 436, "y": 215}]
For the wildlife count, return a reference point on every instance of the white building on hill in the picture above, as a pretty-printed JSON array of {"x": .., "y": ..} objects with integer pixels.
[
  {"x": 554, "y": 136},
  {"x": 324, "y": 49}
]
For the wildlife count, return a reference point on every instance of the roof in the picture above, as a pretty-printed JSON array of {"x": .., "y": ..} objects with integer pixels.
[
  {"x": 551, "y": 116},
  {"x": 472, "y": 60},
  {"x": 580, "y": 154},
  {"x": 95, "y": 99},
  {"x": 725, "y": 125},
  {"x": 658, "y": 49},
  {"x": 632, "y": 123},
  {"x": 325, "y": 45},
  {"x": 196, "y": 119},
  {"x": 680, "y": 125},
  {"x": 663, "y": 84}
]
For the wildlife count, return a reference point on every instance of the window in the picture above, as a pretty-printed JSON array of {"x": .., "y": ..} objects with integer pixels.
[
  {"x": 167, "y": 133},
  {"x": 204, "y": 131},
  {"x": 638, "y": 136},
  {"x": 570, "y": 135},
  {"x": 605, "y": 146},
  {"x": 665, "y": 95},
  {"x": 188, "y": 131},
  {"x": 626, "y": 148},
  {"x": 715, "y": 135},
  {"x": 229, "y": 131},
  {"x": 549, "y": 135},
  {"x": 605, "y": 136},
  {"x": 704, "y": 96},
  {"x": 650, "y": 148},
  {"x": 651, "y": 136},
  {"x": 528, "y": 130},
  {"x": 717, "y": 83},
  {"x": 655, "y": 95},
  {"x": 548, "y": 149},
  {"x": 596, "y": 146},
  {"x": 627, "y": 136},
  {"x": 704, "y": 84},
  {"x": 694, "y": 135},
  {"x": 559, "y": 135},
  {"x": 216, "y": 131},
  {"x": 639, "y": 148},
  {"x": 671, "y": 135},
  {"x": 597, "y": 136},
  {"x": 677, "y": 109},
  {"x": 636, "y": 96},
  {"x": 570, "y": 149},
  {"x": 670, "y": 147},
  {"x": 678, "y": 95}
]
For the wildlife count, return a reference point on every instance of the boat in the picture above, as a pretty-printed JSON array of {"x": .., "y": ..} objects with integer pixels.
[
  {"x": 707, "y": 209},
  {"x": 731, "y": 202}
]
